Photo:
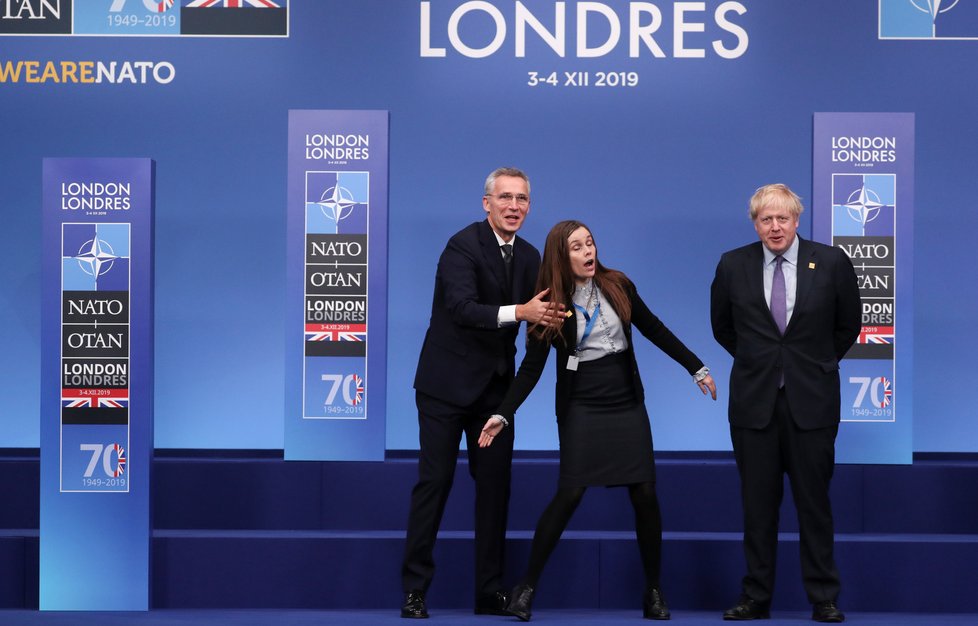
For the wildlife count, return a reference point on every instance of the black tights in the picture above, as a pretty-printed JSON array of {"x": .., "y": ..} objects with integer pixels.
[{"x": 648, "y": 529}]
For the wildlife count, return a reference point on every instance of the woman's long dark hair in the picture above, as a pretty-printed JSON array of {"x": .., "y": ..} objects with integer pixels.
[{"x": 556, "y": 274}]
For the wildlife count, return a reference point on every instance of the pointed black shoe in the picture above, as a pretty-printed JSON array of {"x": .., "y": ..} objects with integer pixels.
[
  {"x": 654, "y": 605},
  {"x": 521, "y": 602},
  {"x": 827, "y": 612},
  {"x": 747, "y": 609},
  {"x": 414, "y": 607},
  {"x": 492, "y": 604}
]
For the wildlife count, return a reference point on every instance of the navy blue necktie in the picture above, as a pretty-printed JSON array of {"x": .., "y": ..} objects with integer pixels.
[{"x": 508, "y": 261}]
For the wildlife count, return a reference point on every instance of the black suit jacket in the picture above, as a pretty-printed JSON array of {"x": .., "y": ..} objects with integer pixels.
[
  {"x": 824, "y": 324},
  {"x": 536, "y": 358},
  {"x": 464, "y": 347}
]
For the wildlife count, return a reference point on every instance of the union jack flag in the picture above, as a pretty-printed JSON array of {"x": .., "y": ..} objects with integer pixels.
[
  {"x": 876, "y": 334},
  {"x": 336, "y": 332},
  {"x": 234, "y": 4},
  {"x": 120, "y": 465},
  {"x": 162, "y": 6},
  {"x": 95, "y": 398},
  {"x": 887, "y": 387},
  {"x": 358, "y": 396}
]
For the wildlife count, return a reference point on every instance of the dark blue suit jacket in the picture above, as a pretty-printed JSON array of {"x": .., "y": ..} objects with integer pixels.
[
  {"x": 464, "y": 347},
  {"x": 825, "y": 322}
]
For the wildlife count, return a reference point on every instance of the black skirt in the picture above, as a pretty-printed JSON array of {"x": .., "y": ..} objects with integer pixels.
[{"x": 605, "y": 437}]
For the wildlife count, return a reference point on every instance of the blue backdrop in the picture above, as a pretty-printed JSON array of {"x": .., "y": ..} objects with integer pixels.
[{"x": 661, "y": 171}]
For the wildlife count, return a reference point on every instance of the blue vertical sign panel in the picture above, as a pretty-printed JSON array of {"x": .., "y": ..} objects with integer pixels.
[
  {"x": 96, "y": 383},
  {"x": 336, "y": 313},
  {"x": 863, "y": 203}
]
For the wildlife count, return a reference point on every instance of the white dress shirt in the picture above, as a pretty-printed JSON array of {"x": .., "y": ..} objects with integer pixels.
[{"x": 789, "y": 267}]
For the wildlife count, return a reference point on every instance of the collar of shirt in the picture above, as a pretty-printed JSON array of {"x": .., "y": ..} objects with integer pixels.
[
  {"x": 790, "y": 255},
  {"x": 790, "y": 271},
  {"x": 500, "y": 240}
]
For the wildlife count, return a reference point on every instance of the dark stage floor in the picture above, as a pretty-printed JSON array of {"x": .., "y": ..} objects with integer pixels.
[{"x": 266, "y": 617}]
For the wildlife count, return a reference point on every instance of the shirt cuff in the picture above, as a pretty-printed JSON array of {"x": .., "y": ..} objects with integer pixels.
[
  {"x": 701, "y": 373},
  {"x": 506, "y": 315},
  {"x": 503, "y": 420}
]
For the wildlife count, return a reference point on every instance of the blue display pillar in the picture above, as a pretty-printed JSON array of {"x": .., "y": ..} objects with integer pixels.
[
  {"x": 96, "y": 383},
  {"x": 336, "y": 277},
  {"x": 863, "y": 203}
]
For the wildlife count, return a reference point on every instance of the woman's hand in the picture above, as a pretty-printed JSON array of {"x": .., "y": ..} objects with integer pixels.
[
  {"x": 706, "y": 386},
  {"x": 492, "y": 428}
]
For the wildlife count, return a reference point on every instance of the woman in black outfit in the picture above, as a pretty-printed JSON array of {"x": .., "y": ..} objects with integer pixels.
[{"x": 605, "y": 438}]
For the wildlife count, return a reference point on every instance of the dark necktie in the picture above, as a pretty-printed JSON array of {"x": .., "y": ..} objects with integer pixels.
[
  {"x": 508, "y": 261},
  {"x": 779, "y": 296}
]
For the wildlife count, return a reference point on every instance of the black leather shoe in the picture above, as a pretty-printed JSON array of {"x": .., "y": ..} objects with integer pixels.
[
  {"x": 827, "y": 612},
  {"x": 654, "y": 605},
  {"x": 413, "y": 607},
  {"x": 521, "y": 602},
  {"x": 492, "y": 604},
  {"x": 747, "y": 608}
]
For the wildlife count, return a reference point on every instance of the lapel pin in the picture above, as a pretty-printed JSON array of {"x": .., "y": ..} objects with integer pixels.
[{"x": 811, "y": 265}]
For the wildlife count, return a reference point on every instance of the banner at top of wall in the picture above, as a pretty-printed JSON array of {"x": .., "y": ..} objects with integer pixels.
[
  {"x": 863, "y": 203},
  {"x": 96, "y": 383},
  {"x": 336, "y": 311},
  {"x": 146, "y": 18}
]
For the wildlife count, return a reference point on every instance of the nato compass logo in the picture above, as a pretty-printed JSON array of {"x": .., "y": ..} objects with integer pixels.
[
  {"x": 928, "y": 19},
  {"x": 336, "y": 202},
  {"x": 95, "y": 257},
  {"x": 863, "y": 205}
]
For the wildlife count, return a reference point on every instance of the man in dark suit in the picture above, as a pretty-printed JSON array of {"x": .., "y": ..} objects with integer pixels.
[
  {"x": 465, "y": 368},
  {"x": 787, "y": 310}
]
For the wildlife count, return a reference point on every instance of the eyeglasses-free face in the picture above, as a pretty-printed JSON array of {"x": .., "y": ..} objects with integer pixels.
[
  {"x": 582, "y": 254},
  {"x": 776, "y": 228}
]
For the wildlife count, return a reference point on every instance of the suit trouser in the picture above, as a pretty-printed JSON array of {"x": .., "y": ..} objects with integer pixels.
[
  {"x": 441, "y": 426},
  {"x": 808, "y": 457}
]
